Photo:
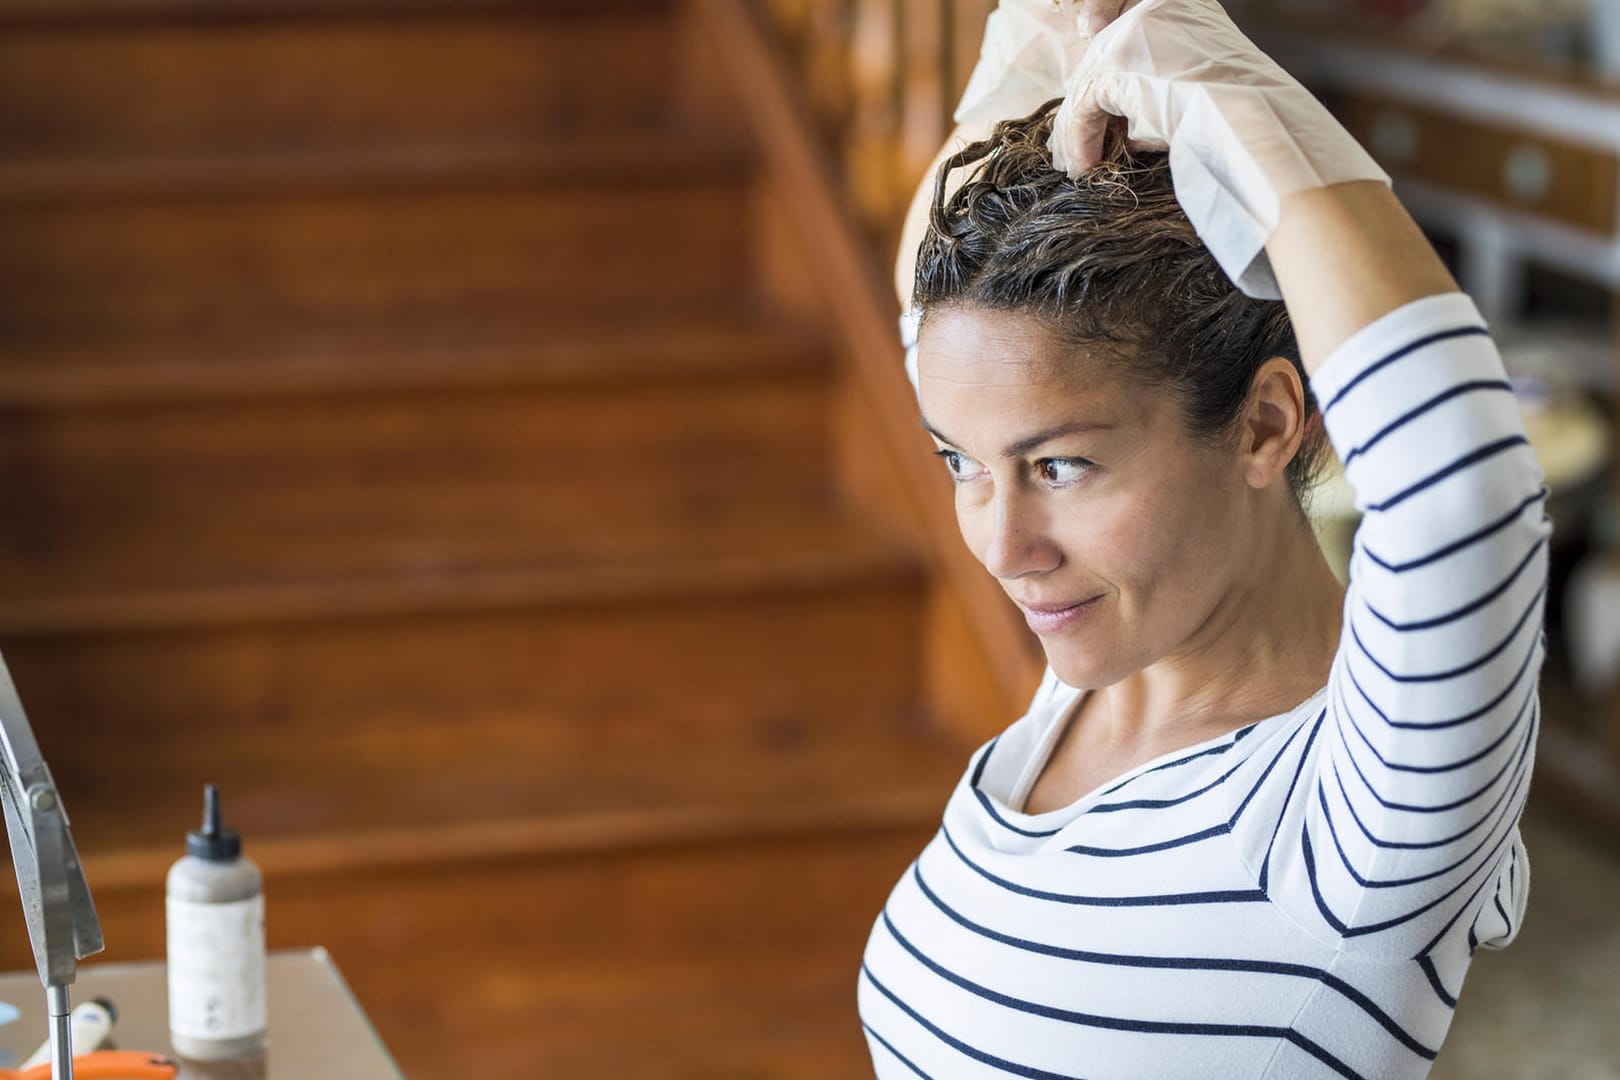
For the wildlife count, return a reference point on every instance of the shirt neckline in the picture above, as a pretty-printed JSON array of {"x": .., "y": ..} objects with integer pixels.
[{"x": 1064, "y": 716}]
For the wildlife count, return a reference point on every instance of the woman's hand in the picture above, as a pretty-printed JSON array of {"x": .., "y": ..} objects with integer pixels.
[
  {"x": 1090, "y": 124},
  {"x": 1030, "y": 50},
  {"x": 1243, "y": 135},
  {"x": 1268, "y": 178}
]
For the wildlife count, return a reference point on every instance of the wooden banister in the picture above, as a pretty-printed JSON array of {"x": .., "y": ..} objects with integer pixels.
[
  {"x": 981, "y": 661},
  {"x": 967, "y": 19},
  {"x": 925, "y": 69},
  {"x": 871, "y": 155},
  {"x": 883, "y": 77}
]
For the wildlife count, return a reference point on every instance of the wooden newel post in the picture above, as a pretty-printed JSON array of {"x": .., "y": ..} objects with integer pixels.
[
  {"x": 870, "y": 147},
  {"x": 925, "y": 110}
]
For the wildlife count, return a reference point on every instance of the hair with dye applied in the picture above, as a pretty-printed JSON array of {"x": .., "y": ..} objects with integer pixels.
[{"x": 1109, "y": 260}]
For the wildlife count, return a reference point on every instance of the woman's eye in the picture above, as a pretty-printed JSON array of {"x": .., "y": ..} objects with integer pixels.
[
  {"x": 955, "y": 464},
  {"x": 1062, "y": 471}
]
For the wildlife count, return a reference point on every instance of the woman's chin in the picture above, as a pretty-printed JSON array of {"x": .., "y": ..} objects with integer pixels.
[{"x": 1080, "y": 668}]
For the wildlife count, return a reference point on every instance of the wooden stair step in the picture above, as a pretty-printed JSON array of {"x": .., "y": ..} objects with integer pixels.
[
  {"x": 347, "y": 551},
  {"x": 73, "y": 13},
  {"x": 623, "y": 159},
  {"x": 417, "y": 445},
  {"x": 606, "y": 452},
  {"x": 226, "y": 261},
  {"x": 134, "y": 77},
  {"x": 482, "y": 786},
  {"x": 400, "y": 356},
  {"x": 786, "y": 553},
  {"x": 592, "y": 671}
]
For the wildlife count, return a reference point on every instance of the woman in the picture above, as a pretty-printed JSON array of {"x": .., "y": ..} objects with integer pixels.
[{"x": 1251, "y": 825}]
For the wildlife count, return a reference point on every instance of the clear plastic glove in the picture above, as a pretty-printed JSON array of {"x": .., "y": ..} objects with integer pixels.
[
  {"x": 1030, "y": 49},
  {"x": 1241, "y": 132}
]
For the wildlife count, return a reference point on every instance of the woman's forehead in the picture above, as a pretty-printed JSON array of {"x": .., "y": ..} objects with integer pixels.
[{"x": 973, "y": 351}]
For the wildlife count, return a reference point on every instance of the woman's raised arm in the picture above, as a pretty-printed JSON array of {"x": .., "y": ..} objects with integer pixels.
[
  {"x": 1344, "y": 256},
  {"x": 1397, "y": 836}
]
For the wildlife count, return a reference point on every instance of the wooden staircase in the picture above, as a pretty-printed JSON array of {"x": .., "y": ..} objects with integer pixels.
[{"x": 419, "y": 418}]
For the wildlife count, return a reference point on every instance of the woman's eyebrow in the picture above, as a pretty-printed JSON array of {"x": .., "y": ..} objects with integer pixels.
[{"x": 1025, "y": 445}]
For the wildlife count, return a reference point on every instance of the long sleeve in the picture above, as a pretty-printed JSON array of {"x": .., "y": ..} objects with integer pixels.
[{"x": 1397, "y": 836}]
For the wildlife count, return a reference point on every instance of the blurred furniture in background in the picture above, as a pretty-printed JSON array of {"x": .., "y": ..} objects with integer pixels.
[
  {"x": 472, "y": 434},
  {"x": 320, "y": 1031},
  {"x": 1516, "y": 158},
  {"x": 1558, "y": 38}
]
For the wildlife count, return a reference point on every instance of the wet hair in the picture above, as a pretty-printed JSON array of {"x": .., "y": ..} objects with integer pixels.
[{"x": 1110, "y": 261}]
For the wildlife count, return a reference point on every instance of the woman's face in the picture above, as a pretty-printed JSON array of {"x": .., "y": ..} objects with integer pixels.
[{"x": 1082, "y": 493}]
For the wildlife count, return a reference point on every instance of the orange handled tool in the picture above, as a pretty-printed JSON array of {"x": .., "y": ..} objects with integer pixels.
[{"x": 106, "y": 1065}]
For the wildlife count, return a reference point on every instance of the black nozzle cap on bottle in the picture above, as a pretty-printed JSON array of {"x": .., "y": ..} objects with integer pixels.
[{"x": 214, "y": 842}]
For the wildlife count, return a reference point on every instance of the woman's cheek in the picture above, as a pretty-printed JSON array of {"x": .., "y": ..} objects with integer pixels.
[
  {"x": 1179, "y": 554},
  {"x": 972, "y": 520},
  {"x": 1114, "y": 537}
]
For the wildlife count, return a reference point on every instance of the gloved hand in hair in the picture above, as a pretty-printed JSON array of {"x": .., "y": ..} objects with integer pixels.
[
  {"x": 1241, "y": 132},
  {"x": 1030, "y": 49}
]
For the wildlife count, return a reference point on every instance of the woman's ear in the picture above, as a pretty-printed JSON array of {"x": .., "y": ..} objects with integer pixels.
[{"x": 1273, "y": 423}]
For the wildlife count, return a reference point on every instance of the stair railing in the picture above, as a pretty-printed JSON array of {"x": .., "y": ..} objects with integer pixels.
[
  {"x": 882, "y": 77},
  {"x": 874, "y": 82}
]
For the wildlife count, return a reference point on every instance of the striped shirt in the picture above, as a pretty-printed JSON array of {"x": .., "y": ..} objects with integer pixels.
[{"x": 1300, "y": 897}]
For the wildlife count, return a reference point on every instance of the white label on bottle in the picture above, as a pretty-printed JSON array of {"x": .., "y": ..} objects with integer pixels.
[{"x": 216, "y": 969}]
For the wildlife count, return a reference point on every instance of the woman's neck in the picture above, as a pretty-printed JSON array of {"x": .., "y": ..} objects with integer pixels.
[{"x": 1268, "y": 645}]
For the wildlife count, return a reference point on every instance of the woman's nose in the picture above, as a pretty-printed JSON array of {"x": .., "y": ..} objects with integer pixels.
[{"x": 1016, "y": 540}]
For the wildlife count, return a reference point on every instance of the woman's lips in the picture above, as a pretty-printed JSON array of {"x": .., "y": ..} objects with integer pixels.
[{"x": 1050, "y": 618}]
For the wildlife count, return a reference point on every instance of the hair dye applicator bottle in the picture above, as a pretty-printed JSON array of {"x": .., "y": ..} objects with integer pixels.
[{"x": 217, "y": 1006}]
